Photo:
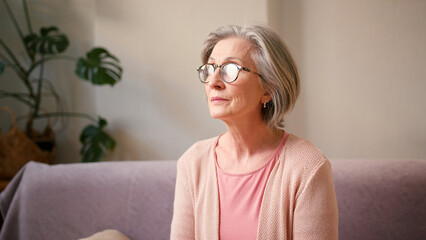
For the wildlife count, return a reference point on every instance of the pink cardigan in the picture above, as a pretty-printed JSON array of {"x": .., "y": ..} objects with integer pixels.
[{"x": 299, "y": 201}]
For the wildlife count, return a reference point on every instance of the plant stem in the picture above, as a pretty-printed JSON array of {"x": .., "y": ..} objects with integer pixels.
[
  {"x": 16, "y": 96},
  {"x": 37, "y": 98},
  {"x": 31, "y": 55},
  {"x": 67, "y": 114},
  {"x": 55, "y": 57},
  {"x": 27, "y": 16},
  {"x": 18, "y": 29},
  {"x": 11, "y": 55},
  {"x": 14, "y": 93},
  {"x": 9, "y": 11},
  {"x": 17, "y": 67},
  {"x": 6, "y": 61}
]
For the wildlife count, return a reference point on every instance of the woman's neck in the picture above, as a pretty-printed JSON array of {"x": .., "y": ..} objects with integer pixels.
[
  {"x": 243, "y": 149},
  {"x": 248, "y": 138}
]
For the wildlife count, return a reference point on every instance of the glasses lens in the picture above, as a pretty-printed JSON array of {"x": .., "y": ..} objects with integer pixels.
[
  {"x": 229, "y": 72},
  {"x": 204, "y": 72}
]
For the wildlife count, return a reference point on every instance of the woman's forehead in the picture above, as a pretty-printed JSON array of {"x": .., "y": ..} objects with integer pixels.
[{"x": 232, "y": 49}]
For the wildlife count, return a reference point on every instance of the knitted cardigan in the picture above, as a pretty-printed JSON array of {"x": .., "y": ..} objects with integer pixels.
[{"x": 299, "y": 201}]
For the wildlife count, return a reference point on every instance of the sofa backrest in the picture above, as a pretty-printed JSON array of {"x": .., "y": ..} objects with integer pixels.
[{"x": 380, "y": 198}]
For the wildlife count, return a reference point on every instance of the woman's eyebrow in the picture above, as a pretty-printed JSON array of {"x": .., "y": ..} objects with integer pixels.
[{"x": 226, "y": 59}]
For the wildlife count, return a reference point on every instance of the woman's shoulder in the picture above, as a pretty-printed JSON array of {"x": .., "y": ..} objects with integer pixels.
[
  {"x": 195, "y": 164},
  {"x": 199, "y": 148},
  {"x": 198, "y": 153},
  {"x": 303, "y": 161},
  {"x": 302, "y": 153}
]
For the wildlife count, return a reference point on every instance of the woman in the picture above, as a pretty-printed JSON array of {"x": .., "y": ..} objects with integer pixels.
[{"x": 254, "y": 181}]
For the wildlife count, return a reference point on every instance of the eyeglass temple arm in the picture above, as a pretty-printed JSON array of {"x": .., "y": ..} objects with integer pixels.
[{"x": 248, "y": 70}]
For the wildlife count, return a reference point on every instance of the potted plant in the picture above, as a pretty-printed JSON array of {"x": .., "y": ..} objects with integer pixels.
[{"x": 99, "y": 67}]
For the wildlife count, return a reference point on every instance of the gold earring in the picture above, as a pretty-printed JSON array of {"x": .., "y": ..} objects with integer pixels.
[{"x": 264, "y": 104}]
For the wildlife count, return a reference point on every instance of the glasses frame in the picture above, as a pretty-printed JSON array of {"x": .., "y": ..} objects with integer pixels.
[{"x": 215, "y": 66}]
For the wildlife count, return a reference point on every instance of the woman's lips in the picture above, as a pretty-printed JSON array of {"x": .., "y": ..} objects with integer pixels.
[{"x": 218, "y": 99}]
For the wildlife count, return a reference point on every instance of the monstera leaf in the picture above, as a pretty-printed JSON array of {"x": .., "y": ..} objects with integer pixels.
[
  {"x": 1, "y": 67},
  {"x": 50, "y": 41},
  {"x": 95, "y": 141},
  {"x": 99, "y": 67}
]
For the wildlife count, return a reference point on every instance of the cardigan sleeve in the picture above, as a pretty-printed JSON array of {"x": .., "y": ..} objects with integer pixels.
[
  {"x": 316, "y": 214},
  {"x": 183, "y": 212}
]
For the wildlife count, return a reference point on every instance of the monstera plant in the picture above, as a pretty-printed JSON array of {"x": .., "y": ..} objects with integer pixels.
[{"x": 98, "y": 66}]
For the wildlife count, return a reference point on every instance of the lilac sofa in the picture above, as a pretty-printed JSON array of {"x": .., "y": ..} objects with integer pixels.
[{"x": 377, "y": 199}]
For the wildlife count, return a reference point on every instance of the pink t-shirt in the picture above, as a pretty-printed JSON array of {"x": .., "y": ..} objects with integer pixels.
[{"x": 240, "y": 198}]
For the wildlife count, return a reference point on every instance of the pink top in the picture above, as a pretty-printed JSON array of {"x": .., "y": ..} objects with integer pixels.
[
  {"x": 299, "y": 201},
  {"x": 240, "y": 198}
]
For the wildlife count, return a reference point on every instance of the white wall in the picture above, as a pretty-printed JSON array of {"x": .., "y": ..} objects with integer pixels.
[{"x": 361, "y": 64}]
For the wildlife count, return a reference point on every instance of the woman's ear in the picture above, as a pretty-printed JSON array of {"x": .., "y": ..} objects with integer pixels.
[{"x": 266, "y": 97}]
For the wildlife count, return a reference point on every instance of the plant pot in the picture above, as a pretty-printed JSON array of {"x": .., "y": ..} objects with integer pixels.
[{"x": 16, "y": 148}]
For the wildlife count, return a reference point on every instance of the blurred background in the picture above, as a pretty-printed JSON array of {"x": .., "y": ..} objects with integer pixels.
[{"x": 362, "y": 65}]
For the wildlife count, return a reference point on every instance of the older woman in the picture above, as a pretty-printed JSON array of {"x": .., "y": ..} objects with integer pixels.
[{"x": 254, "y": 181}]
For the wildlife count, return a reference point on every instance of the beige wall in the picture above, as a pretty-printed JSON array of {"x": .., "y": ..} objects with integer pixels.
[
  {"x": 159, "y": 107},
  {"x": 361, "y": 64}
]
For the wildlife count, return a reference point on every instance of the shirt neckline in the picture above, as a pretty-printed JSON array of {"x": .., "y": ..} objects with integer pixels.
[{"x": 274, "y": 155}]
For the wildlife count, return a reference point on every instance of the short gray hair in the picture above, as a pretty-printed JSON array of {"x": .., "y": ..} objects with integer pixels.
[{"x": 272, "y": 60}]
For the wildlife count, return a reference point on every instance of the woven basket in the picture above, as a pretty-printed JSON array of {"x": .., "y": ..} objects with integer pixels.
[{"x": 16, "y": 149}]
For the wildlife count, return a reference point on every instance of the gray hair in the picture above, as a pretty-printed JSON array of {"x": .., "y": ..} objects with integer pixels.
[{"x": 272, "y": 60}]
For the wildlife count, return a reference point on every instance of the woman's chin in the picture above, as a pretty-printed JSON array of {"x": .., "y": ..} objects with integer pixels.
[{"x": 217, "y": 115}]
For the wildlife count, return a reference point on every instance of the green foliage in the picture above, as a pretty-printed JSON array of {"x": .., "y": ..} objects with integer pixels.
[
  {"x": 100, "y": 67},
  {"x": 95, "y": 141},
  {"x": 50, "y": 41}
]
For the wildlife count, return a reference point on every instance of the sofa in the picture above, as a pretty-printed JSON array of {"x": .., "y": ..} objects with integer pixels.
[{"x": 377, "y": 199}]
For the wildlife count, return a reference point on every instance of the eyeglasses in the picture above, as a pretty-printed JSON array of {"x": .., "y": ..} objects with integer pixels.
[{"x": 228, "y": 72}]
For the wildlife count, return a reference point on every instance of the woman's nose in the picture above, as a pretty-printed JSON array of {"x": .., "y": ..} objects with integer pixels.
[{"x": 215, "y": 80}]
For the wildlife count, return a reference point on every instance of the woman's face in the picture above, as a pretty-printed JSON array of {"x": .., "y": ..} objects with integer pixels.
[{"x": 241, "y": 99}]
